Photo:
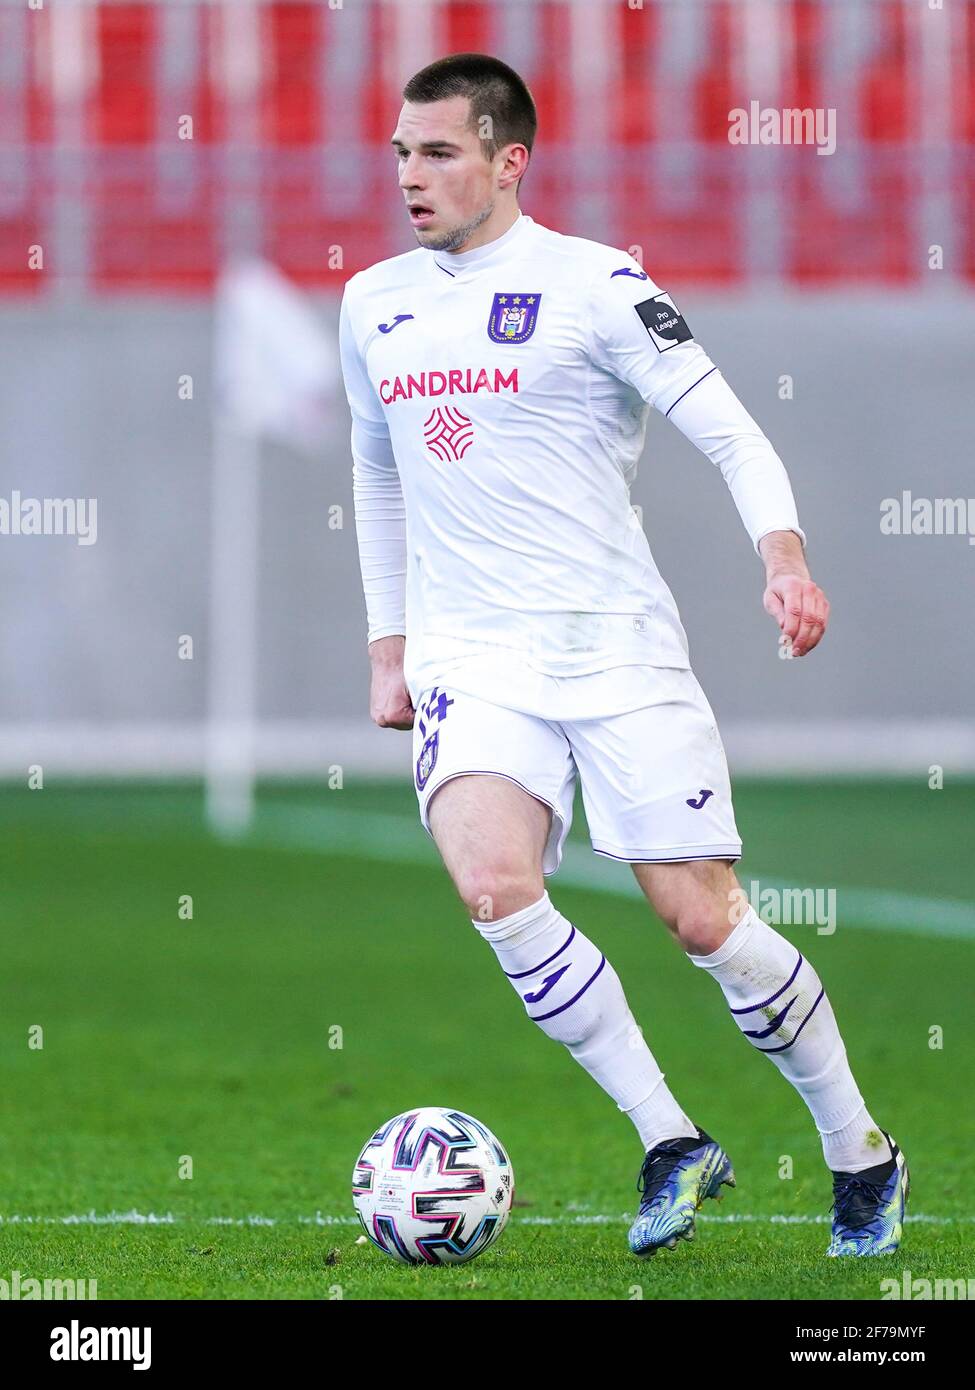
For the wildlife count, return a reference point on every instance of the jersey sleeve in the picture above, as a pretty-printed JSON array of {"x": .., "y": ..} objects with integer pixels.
[
  {"x": 380, "y": 512},
  {"x": 638, "y": 334}
]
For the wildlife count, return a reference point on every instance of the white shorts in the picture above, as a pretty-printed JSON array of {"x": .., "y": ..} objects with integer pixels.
[{"x": 655, "y": 782}]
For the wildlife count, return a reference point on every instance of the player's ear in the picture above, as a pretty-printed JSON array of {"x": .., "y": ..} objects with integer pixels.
[{"x": 514, "y": 165}]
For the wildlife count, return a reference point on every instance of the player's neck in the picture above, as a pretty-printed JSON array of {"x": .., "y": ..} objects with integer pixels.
[
  {"x": 497, "y": 225},
  {"x": 488, "y": 254}
]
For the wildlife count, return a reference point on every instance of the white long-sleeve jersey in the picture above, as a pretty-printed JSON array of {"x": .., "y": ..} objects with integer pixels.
[{"x": 499, "y": 404}]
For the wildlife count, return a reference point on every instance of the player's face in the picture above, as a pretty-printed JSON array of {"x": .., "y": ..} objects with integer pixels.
[{"x": 448, "y": 184}]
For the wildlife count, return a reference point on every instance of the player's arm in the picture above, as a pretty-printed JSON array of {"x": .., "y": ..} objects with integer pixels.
[
  {"x": 710, "y": 415},
  {"x": 640, "y": 337},
  {"x": 380, "y": 518}
]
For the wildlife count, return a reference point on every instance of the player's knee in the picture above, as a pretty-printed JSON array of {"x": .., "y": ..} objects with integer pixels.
[
  {"x": 700, "y": 925},
  {"x": 494, "y": 890}
]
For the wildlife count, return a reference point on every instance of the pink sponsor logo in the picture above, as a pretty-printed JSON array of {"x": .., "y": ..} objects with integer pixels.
[
  {"x": 463, "y": 381},
  {"x": 448, "y": 433}
]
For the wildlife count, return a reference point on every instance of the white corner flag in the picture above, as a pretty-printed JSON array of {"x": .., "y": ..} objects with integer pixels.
[{"x": 275, "y": 371}]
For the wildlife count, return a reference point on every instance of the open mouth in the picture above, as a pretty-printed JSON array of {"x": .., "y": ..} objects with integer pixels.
[{"x": 420, "y": 214}]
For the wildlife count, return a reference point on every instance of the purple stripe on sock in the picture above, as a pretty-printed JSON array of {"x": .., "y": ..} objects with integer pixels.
[
  {"x": 798, "y": 1030},
  {"x": 540, "y": 1018},
  {"x": 765, "y": 1002},
  {"x": 521, "y": 975}
]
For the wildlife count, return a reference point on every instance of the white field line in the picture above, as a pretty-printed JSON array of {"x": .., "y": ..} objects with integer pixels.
[
  {"x": 393, "y": 838},
  {"x": 139, "y": 1218},
  {"x": 390, "y": 837}
]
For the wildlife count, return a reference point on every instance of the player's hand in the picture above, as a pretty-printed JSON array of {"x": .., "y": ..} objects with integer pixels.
[
  {"x": 390, "y": 705},
  {"x": 800, "y": 608}
]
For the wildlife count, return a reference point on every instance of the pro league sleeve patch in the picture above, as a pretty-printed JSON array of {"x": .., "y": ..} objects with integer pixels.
[{"x": 662, "y": 320}]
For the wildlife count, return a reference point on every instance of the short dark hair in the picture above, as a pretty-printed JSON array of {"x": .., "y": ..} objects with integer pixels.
[{"x": 494, "y": 90}]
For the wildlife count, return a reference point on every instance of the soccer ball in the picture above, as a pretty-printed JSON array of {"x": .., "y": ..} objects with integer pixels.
[{"x": 433, "y": 1187}]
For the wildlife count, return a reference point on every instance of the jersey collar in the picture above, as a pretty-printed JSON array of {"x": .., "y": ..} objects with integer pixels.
[{"x": 493, "y": 253}]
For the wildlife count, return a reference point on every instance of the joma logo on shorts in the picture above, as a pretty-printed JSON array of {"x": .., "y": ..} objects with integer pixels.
[{"x": 702, "y": 796}]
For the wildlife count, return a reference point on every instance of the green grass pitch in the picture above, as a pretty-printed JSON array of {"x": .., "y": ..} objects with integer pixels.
[{"x": 210, "y": 1038}]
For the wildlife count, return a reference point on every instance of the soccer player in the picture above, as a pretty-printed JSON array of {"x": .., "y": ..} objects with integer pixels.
[{"x": 500, "y": 377}]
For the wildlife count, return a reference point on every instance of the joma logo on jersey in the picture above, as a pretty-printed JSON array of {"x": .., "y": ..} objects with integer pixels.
[
  {"x": 513, "y": 317},
  {"x": 458, "y": 381}
]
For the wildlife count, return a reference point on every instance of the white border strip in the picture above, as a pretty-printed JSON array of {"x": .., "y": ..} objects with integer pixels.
[{"x": 309, "y": 748}]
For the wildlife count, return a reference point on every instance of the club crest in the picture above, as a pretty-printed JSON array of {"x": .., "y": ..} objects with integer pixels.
[
  {"x": 426, "y": 762},
  {"x": 513, "y": 317}
]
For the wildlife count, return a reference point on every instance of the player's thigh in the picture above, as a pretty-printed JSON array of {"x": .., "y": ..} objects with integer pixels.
[
  {"x": 698, "y": 901},
  {"x": 491, "y": 834},
  {"x": 503, "y": 827},
  {"x": 655, "y": 781}
]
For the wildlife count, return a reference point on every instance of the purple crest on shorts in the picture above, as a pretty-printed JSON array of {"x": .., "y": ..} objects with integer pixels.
[{"x": 426, "y": 762}]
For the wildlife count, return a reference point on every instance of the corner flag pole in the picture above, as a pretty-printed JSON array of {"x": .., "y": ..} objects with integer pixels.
[
  {"x": 232, "y": 638},
  {"x": 275, "y": 371}
]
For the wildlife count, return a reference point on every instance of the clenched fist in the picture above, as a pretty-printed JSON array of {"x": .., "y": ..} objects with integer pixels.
[{"x": 390, "y": 705}]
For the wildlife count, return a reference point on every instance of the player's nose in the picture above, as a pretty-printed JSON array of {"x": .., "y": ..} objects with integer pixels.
[{"x": 409, "y": 174}]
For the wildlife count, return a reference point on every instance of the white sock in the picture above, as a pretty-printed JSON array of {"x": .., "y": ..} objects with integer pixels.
[
  {"x": 572, "y": 992},
  {"x": 779, "y": 1003}
]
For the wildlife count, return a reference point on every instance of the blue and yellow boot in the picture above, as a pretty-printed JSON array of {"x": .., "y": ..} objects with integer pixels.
[
  {"x": 676, "y": 1176},
  {"x": 868, "y": 1207}
]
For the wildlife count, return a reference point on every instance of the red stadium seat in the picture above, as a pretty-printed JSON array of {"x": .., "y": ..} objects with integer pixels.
[{"x": 157, "y": 209}]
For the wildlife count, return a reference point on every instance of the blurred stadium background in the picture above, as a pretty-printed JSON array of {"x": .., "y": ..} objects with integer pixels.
[
  {"x": 786, "y": 263},
  {"x": 184, "y": 189}
]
